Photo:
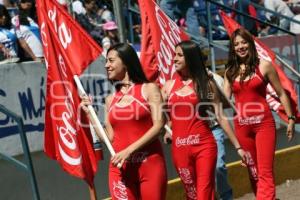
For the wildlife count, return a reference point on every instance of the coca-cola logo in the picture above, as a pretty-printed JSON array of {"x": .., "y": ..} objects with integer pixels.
[
  {"x": 62, "y": 111},
  {"x": 190, "y": 140},
  {"x": 170, "y": 36},
  {"x": 189, "y": 182},
  {"x": 251, "y": 120},
  {"x": 119, "y": 190}
]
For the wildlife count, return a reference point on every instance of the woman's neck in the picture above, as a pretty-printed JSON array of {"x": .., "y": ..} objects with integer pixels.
[{"x": 184, "y": 76}]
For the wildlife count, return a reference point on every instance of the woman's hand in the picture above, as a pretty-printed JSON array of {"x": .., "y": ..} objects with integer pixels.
[
  {"x": 290, "y": 130},
  {"x": 120, "y": 157},
  {"x": 245, "y": 157},
  {"x": 85, "y": 102},
  {"x": 6, "y": 52}
]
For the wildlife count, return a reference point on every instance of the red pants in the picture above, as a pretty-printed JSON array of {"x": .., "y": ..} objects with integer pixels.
[
  {"x": 142, "y": 177},
  {"x": 259, "y": 139},
  {"x": 196, "y": 165}
]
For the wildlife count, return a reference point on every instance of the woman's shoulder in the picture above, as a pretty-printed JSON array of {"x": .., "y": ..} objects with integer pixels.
[
  {"x": 264, "y": 62},
  {"x": 265, "y": 66},
  {"x": 151, "y": 86}
]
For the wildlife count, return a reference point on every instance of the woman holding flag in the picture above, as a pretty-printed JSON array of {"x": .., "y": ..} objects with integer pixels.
[
  {"x": 133, "y": 122},
  {"x": 247, "y": 77},
  {"x": 190, "y": 97}
]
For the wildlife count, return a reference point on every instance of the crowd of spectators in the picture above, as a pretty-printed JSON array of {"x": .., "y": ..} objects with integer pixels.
[
  {"x": 19, "y": 32},
  {"x": 97, "y": 18},
  {"x": 20, "y": 38}
]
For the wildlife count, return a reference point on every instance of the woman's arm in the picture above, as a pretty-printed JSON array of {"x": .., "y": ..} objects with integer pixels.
[
  {"x": 227, "y": 87},
  {"x": 165, "y": 92},
  {"x": 85, "y": 102},
  {"x": 108, "y": 127},
  {"x": 224, "y": 123},
  {"x": 269, "y": 71},
  {"x": 27, "y": 49},
  {"x": 154, "y": 99}
]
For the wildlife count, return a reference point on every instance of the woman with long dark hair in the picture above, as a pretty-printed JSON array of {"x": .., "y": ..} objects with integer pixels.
[
  {"x": 190, "y": 98},
  {"x": 133, "y": 121},
  {"x": 247, "y": 77}
]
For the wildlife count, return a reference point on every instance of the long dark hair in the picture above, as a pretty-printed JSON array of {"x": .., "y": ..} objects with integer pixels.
[
  {"x": 194, "y": 61},
  {"x": 130, "y": 59},
  {"x": 4, "y": 12},
  {"x": 234, "y": 62}
]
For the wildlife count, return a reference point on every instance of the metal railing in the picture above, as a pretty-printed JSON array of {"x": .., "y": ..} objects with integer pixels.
[{"x": 27, "y": 166}]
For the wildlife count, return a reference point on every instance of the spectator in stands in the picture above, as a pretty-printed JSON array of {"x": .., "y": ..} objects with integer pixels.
[
  {"x": 91, "y": 12},
  {"x": 8, "y": 38},
  {"x": 178, "y": 9},
  {"x": 248, "y": 23},
  {"x": 111, "y": 32},
  {"x": 106, "y": 14},
  {"x": 294, "y": 26},
  {"x": 200, "y": 10},
  {"x": 7, "y": 3},
  {"x": 85, "y": 17},
  {"x": 77, "y": 7},
  {"x": 28, "y": 33},
  {"x": 280, "y": 7}
]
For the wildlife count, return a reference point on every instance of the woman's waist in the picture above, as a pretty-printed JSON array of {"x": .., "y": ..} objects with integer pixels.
[
  {"x": 253, "y": 118},
  {"x": 149, "y": 149},
  {"x": 190, "y": 125},
  {"x": 192, "y": 139}
]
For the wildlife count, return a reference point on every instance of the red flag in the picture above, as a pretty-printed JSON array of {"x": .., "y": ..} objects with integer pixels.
[
  {"x": 68, "y": 51},
  {"x": 267, "y": 54},
  {"x": 160, "y": 35}
]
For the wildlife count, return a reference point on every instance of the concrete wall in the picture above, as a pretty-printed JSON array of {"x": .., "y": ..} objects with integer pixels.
[{"x": 22, "y": 90}]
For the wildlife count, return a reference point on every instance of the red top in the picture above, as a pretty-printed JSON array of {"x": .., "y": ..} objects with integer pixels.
[
  {"x": 184, "y": 113},
  {"x": 250, "y": 96},
  {"x": 132, "y": 121}
]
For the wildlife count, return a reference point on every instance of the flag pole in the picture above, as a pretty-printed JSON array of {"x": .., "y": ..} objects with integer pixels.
[{"x": 95, "y": 119}]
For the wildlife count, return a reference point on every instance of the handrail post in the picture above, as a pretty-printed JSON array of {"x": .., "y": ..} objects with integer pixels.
[
  {"x": 28, "y": 159},
  {"x": 241, "y": 16},
  {"x": 119, "y": 19},
  {"x": 130, "y": 22},
  {"x": 211, "y": 47},
  {"x": 297, "y": 63},
  {"x": 28, "y": 167}
]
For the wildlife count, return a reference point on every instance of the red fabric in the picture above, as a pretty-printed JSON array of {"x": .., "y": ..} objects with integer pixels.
[
  {"x": 160, "y": 35},
  {"x": 250, "y": 97},
  {"x": 256, "y": 132},
  {"x": 130, "y": 123},
  {"x": 183, "y": 115},
  {"x": 260, "y": 140},
  {"x": 194, "y": 148},
  {"x": 68, "y": 51},
  {"x": 266, "y": 53}
]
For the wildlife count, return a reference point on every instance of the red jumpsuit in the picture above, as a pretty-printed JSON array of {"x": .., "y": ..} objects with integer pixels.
[
  {"x": 255, "y": 130},
  {"x": 194, "y": 149},
  {"x": 143, "y": 175}
]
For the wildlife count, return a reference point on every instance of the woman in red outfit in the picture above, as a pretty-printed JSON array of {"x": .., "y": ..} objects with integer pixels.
[
  {"x": 188, "y": 97},
  {"x": 133, "y": 123},
  {"x": 247, "y": 77}
]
